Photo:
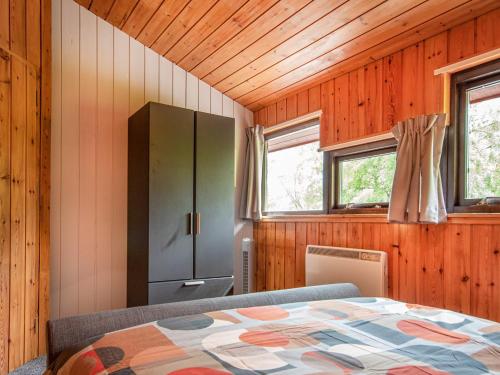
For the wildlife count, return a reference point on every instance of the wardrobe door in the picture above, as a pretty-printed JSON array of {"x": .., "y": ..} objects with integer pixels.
[
  {"x": 214, "y": 195},
  {"x": 171, "y": 179}
]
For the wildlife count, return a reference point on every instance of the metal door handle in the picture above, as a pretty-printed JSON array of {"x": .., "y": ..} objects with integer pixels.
[
  {"x": 194, "y": 283},
  {"x": 190, "y": 223},
  {"x": 198, "y": 223}
]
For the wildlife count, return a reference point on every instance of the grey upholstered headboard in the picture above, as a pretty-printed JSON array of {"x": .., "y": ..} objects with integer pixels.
[{"x": 68, "y": 332}]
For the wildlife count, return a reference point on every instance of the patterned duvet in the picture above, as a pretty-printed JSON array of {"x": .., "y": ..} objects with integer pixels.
[{"x": 348, "y": 336}]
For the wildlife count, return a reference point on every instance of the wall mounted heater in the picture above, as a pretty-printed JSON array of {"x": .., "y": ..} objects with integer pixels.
[
  {"x": 365, "y": 268},
  {"x": 247, "y": 265}
]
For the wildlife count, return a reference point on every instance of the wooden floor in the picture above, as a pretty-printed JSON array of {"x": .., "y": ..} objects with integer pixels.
[
  {"x": 453, "y": 266},
  {"x": 251, "y": 49}
]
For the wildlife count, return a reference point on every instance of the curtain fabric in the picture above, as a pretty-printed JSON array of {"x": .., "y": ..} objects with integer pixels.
[
  {"x": 417, "y": 191},
  {"x": 251, "y": 197}
]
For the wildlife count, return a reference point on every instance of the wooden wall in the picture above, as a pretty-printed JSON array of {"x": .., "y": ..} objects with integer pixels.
[
  {"x": 100, "y": 77},
  {"x": 453, "y": 266},
  {"x": 369, "y": 100},
  {"x": 24, "y": 184}
]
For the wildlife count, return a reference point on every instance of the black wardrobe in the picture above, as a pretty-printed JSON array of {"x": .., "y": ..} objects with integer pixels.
[{"x": 180, "y": 205}]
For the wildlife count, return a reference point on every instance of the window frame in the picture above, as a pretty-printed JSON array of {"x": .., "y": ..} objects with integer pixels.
[
  {"x": 285, "y": 131},
  {"x": 454, "y": 150},
  {"x": 350, "y": 153}
]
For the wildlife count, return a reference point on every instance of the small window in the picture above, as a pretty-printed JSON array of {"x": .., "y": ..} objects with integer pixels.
[
  {"x": 362, "y": 176},
  {"x": 294, "y": 171},
  {"x": 474, "y": 168}
]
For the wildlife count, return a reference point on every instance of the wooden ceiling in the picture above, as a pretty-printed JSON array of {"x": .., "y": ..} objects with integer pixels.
[{"x": 256, "y": 50}]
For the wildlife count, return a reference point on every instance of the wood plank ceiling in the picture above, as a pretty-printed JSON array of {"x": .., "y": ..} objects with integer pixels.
[{"x": 254, "y": 50}]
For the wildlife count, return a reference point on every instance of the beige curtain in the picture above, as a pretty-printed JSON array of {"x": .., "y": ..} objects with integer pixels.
[
  {"x": 417, "y": 191},
  {"x": 251, "y": 196}
]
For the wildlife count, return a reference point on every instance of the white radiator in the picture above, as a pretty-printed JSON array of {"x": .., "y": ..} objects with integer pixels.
[
  {"x": 365, "y": 268},
  {"x": 247, "y": 265}
]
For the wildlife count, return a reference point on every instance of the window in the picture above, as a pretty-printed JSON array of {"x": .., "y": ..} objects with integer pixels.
[
  {"x": 294, "y": 171},
  {"x": 474, "y": 164},
  {"x": 362, "y": 176}
]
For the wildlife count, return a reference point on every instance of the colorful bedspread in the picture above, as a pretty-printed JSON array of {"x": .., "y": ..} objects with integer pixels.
[{"x": 349, "y": 336}]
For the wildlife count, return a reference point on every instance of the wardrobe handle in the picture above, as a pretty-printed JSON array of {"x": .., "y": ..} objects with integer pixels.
[
  {"x": 198, "y": 223},
  {"x": 190, "y": 223},
  {"x": 194, "y": 283}
]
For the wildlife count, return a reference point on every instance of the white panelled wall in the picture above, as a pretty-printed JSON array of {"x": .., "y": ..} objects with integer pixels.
[{"x": 100, "y": 77}]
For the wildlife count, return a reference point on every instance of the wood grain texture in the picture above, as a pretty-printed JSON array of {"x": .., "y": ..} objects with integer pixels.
[
  {"x": 371, "y": 99},
  {"x": 419, "y": 31},
  {"x": 452, "y": 266},
  {"x": 252, "y": 49},
  {"x": 5, "y": 157}
]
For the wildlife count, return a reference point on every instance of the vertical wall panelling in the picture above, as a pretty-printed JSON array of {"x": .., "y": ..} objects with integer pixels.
[
  {"x": 137, "y": 86},
  {"x": 457, "y": 265},
  {"x": 191, "y": 92},
  {"x": 70, "y": 83},
  {"x": 271, "y": 114},
  {"x": 461, "y": 41},
  {"x": 87, "y": 160},
  {"x": 281, "y": 111},
  {"x": 289, "y": 267},
  {"x": 391, "y": 90},
  {"x": 17, "y": 213},
  {"x": 55, "y": 157},
  {"x": 179, "y": 86},
  {"x": 100, "y": 77},
  {"x": 302, "y": 103},
  {"x": 452, "y": 265},
  {"x": 354, "y": 129},
  {"x": 435, "y": 56},
  {"x": 413, "y": 81},
  {"x": 300, "y": 253},
  {"x": 5, "y": 157},
  {"x": 314, "y": 99},
  {"x": 487, "y": 31},
  {"x": 373, "y": 97},
  {"x": 327, "y": 134},
  {"x": 341, "y": 111},
  {"x": 104, "y": 166},
  {"x": 203, "y": 97},
  {"x": 227, "y": 106},
  {"x": 166, "y": 76},
  {"x": 291, "y": 107},
  {"x": 24, "y": 167},
  {"x": 409, "y": 241},
  {"x": 123, "y": 85},
  {"x": 279, "y": 251},
  {"x": 151, "y": 74},
  {"x": 215, "y": 101},
  {"x": 45, "y": 171}
]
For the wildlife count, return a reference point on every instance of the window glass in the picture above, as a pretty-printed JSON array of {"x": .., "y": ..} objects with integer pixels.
[
  {"x": 366, "y": 179},
  {"x": 294, "y": 180},
  {"x": 482, "y": 145}
]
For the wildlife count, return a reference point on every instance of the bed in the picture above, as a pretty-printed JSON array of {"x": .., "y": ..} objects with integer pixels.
[{"x": 314, "y": 330}]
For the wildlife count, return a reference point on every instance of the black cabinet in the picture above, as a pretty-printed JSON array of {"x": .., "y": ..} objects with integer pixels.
[{"x": 180, "y": 205}]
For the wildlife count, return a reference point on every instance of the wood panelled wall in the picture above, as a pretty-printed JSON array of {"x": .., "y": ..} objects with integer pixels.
[
  {"x": 100, "y": 77},
  {"x": 24, "y": 183},
  {"x": 453, "y": 266},
  {"x": 369, "y": 100}
]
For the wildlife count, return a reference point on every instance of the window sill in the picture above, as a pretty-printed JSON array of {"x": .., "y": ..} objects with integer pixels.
[{"x": 453, "y": 218}]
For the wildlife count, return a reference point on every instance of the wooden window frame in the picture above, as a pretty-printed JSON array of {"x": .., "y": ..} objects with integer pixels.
[
  {"x": 454, "y": 177},
  {"x": 278, "y": 133},
  {"x": 349, "y": 153}
]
